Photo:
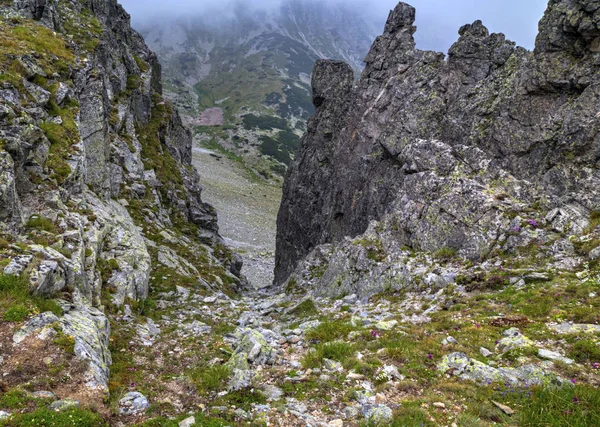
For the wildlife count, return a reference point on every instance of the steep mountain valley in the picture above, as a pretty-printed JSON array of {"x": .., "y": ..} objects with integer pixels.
[{"x": 254, "y": 227}]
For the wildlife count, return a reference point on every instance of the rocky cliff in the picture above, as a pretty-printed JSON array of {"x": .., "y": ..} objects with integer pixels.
[
  {"x": 463, "y": 154},
  {"x": 100, "y": 207}
]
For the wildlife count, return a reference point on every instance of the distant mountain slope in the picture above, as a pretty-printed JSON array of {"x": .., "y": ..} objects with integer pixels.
[{"x": 251, "y": 71}]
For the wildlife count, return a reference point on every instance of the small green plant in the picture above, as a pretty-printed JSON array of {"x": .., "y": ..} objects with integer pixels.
[
  {"x": 64, "y": 341},
  {"x": 40, "y": 223},
  {"x": 445, "y": 253},
  {"x": 305, "y": 309},
  {"x": 13, "y": 399},
  {"x": 16, "y": 313},
  {"x": 142, "y": 65},
  {"x": 4, "y": 244}
]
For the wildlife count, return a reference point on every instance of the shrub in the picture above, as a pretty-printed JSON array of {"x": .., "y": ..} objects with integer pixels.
[{"x": 263, "y": 122}]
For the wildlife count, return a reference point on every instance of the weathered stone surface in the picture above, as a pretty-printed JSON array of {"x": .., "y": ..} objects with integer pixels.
[
  {"x": 574, "y": 328},
  {"x": 188, "y": 422},
  {"x": 91, "y": 330},
  {"x": 34, "y": 324},
  {"x": 513, "y": 340},
  {"x": 10, "y": 204},
  {"x": 133, "y": 403},
  {"x": 469, "y": 369},
  {"x": 18, "y": 264},
  {"x": 553, "y": 355},
  {"x": 377, "y": 414},
  {"x": 62, "y": 405}
]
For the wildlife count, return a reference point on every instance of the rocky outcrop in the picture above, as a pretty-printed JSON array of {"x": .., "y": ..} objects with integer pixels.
[
  {"x": 95, "y": 172},
  {"x": 446, "y": 152}
]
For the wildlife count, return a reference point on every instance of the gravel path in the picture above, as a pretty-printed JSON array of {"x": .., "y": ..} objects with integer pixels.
[{"x": 247, "y": 210}]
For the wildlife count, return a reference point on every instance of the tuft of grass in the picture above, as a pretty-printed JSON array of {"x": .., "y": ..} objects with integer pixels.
[
  {"x": 212, "y": 378},
  {"x": 62, "y": 138},
  {"x": 540, "y": 307},
  {"x": 338, "y": 351},
  {"x": 4, "y": 244},
  {"x": 305, "y": 309},
  {"x": 142, "y": 65},
  {"x": 40, "y": 223},
  {"x": 16, "y": 302},
  {"x": 64, "y": 341},
  {"x": 594, "y": 222},
  {"x": 330, "y": 330},
  {"x": 411, "y": 416},
  {"x": 445, "y": 253},
  {"x": 16, "y": 313}
]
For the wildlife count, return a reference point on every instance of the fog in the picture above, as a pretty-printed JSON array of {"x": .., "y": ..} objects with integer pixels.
[{"x": 438, "y": 21}]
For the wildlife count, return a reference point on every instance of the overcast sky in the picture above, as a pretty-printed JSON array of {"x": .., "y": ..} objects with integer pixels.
[{"x": 438, "y": 21}]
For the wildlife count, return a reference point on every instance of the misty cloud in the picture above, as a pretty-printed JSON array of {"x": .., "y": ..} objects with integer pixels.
[{"x": 438, "y": 21}]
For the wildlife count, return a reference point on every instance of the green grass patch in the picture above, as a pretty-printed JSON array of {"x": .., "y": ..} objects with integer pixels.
[
  {"x": 16, "y": 313},
  {"x": 14, "y": 399},
  {"x": 338, "y": 351},
  {"x": 17, "y": 303},
  {"x": 211, "y": 378},
  {"x": 47, "y": 418},
  {"x": 40, "y": 223},
  {"x": 330, "y": 330},
  {"x": 445, "y": 253},
  {"x": 305, "y": 309},
  {"x": 586, "y": 350},
  {"x": 568, "y": 406}
]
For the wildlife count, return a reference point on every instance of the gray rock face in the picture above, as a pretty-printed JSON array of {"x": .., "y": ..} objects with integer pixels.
[
  {"x": 444, "y": 149},
  {"x": 95, "y": 129},
  {"x": 133, "y": 403},
  {"x": 10, "y": 204},
  {"x": 473, "y": 370}
]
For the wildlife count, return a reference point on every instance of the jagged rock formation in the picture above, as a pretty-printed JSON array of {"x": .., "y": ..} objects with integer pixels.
[
  {"x": 95, "y": 173},
  {"x": 450, "y": 152}
]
